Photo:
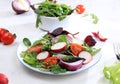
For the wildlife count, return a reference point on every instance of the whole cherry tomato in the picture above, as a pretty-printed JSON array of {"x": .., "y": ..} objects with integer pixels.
[
  {"x": 80, "y": 9},
  {"x": 3, "y": 79},
  {"x": 2, "y": 32},
  {"x": 7, "y": 38}
]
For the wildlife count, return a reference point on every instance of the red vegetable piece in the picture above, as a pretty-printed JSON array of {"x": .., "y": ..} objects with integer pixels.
[
  {"x": 80, "y": 9},
  {"x": 3, "y": 79},
  {"x": 89, "y": 40},
  {"x": 2, "y": 32},
  {"x": 37, "y": 49},
  {"x": 7, "y": 38},
  {"x": 43, "y": 55},
  {"x": 99, "y": 36},
  {"x": 58, "y": 47},
  {"x": 87, "y": 56}
]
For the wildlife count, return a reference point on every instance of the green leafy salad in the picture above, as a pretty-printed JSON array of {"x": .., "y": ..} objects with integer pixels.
[
  {"x": 56, "y": 52},
  {"x": 52, "y": 9}
]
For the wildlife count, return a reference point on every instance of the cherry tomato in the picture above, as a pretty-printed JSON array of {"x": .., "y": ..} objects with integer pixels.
[
  {"x": 37, "y": 49},
  {"x": 2, "y": 32},
  {"x": 80, "y": 9},
  {"x": 3, "y": 79},
  {"x": 7, "y": 38}
]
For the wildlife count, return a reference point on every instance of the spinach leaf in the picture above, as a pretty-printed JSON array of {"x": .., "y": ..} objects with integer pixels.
[{"x": 26, "y": 42}]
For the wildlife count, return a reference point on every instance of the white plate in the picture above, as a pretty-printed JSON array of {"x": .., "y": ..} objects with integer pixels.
[{"x": 22, "y": 47}]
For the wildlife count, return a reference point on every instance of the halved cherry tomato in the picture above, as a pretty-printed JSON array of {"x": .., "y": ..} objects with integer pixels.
[
  {"x": 2, "y": 32},
  {"x": 7, "y": 38},
  {"x": 51, "y": 60},
  {"x": 80, "y": 9},
  {"x": 76, "y": 48},
  {"x": 37, "y": 49}
]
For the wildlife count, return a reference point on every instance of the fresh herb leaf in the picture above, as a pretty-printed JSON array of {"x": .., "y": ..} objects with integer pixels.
[
  {"x": 95, "y": 18},
  {"x": 85, "y": 15},
  {"x": 26, "y": 42},
  {"x": 57, "y": 69},
  {"x": 90, "y": 49},
  {"x": 62, "y": 38}
]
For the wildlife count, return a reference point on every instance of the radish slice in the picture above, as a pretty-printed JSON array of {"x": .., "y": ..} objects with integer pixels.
[
  {"x": 58, "y": 47},
  {"x": 86, "y": 55},
  {"x": 43, "y": 55}
]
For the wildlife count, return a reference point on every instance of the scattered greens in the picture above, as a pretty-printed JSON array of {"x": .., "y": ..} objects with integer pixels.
[
  {"x": 92, "y": 50},
  {"x": 51, "y": 9},
  {"x": 113, "y": 72},
  {"x": 93, "y": 16}
]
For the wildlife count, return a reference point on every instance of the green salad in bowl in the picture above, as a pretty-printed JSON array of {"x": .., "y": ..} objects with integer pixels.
[
  {"x": 49, "y": 13},
  {"x": 52, "y": 9}
]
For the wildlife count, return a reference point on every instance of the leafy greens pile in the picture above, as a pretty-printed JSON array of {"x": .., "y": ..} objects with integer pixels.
[{"x": 52, "y": 9}]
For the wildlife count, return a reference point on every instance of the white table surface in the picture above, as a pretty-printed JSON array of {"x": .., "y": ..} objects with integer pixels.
[{"x": 24, "y": 26}]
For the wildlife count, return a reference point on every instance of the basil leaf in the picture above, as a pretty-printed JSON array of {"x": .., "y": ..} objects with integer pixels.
[{"x": 26, "y": 42}]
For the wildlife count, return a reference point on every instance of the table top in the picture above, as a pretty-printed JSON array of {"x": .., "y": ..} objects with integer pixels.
[{"x": 24, "y": 26}]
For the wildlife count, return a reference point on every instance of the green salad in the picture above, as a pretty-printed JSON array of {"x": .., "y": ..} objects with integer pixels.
[
  {"x": 56, "y": 52},
  {"x": 52, "y": 9}
]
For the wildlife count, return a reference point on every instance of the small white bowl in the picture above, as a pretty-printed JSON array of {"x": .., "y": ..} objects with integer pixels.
[{"x": 51, "y": 23}]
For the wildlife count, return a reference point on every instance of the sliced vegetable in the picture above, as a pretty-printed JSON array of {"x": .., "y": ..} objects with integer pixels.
[
  {"x": 51, "y": 60},
  {"x": 99, "y": 36},
  {"x": 21, "y": 6},
  {"x": 43, "y": 55},
  {"x": 58, "y": 47},
  {"x": 90, "y": 40},
  {"x": 71, "y": 66},
  {"x": 3, "y": 79},
  {"x": 87, "y": 56},
  {"x": 76, "y": 48},
  {"x": 37, "y": 49}
]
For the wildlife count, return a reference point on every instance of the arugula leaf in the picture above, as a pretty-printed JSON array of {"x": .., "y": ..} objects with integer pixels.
[{"x": 51, "y": 9}]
